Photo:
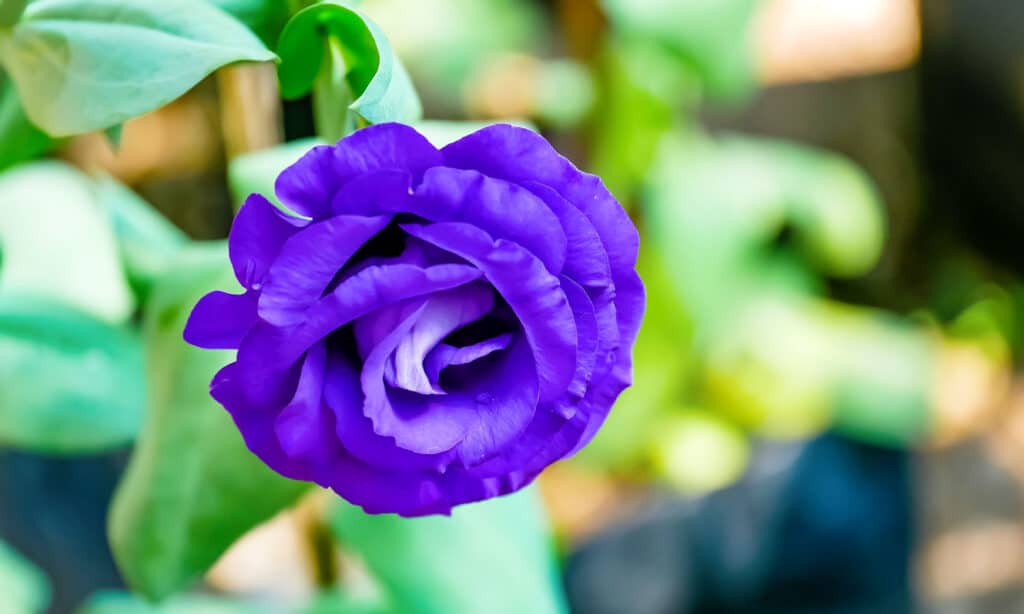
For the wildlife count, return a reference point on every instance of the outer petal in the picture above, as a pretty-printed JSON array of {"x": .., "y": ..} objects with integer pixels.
[
  {"x": 533, "y": 294},
  {"x": 520, "y": 155},
  {"x": 309, "y": 185},
  {"x": 308, "y": 261},
  {"x": 256, "y": 235},
  {"x": 504, "y": 210},
  {"x": 303, "y": 428},
  {"x": 220, "y": 320}
]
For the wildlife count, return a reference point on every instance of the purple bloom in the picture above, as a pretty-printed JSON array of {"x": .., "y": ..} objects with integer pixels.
[{"x": 436, "y": 328}]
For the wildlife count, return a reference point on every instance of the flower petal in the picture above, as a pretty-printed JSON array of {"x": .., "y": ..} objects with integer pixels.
[
  {"x": 533, "y": 294},
  {"x": 303, "y": 427},
  {"x": 220, "y": 321},
  {"x": 308, "y": 186},
  {"x": 256, "y": 235},
  {"x": 444, "y": 355},
  {"x": 308, "y": 261}
]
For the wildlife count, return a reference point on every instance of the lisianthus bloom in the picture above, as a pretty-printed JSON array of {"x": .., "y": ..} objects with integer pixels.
[{"x": 428, "y": 327}]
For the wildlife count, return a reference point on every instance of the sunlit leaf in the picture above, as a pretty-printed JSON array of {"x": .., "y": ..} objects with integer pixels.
[
  {"x": 118, "y": 602},
  {"x": 380, "y": 88},
  {"x": 69, "y": 383},
  {"x": 192, "y": 487},
  {"x": 57, "y": 241},
  {"x": 24, "y": 588},
  {"x": 83, "y": 65},
  {"x": 147, "y": 240},
  {"x": 266, "y": 18},
  {"x": 493, "y": 557},
  {"x": 21, "y": 139}
]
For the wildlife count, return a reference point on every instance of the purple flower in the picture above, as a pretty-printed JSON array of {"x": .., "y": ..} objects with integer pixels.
[{"x": 436, "y": 328}]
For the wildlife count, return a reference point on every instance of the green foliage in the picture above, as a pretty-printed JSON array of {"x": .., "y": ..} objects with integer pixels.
[
  {"x": 117, "y": 602},
  {"x": 69, "y": 383},
  {"x": 266, "y": 18},
  {"x": 24, "y": 588},
  {"x": 21, "y": 139},
  {"x": 358, "y": 66},
  {"x": 492, "y": 557},
  {"x": 10, "y": 11},
  {"x": 192, "y": 487},
  {"x": 711, "y": 37},
  {"x": 58, "y": 243},
  {"x": 146, "y": 240},
  {"x": 83, "y": 65}
]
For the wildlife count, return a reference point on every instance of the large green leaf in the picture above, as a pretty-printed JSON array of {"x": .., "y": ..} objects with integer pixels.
[
  {"x": 21, "y": 139},
  {"x": 494, "y": 557},
  {"x": 57, "y": 242},
  {"x": 10, "y": 11},
  {"x": 118, "y": 602},
  {"x": 147, "y": 240},
  {"x": 192, "y": 487},
  {"x": 377, "y": 83},
  {"x": 24, "y": 588},
  {"x": 713, "y": 37},
  {"x": 83, "y": 65},
  {"x": 264, "y": 17},
  {"x": 68, "y": 382}
]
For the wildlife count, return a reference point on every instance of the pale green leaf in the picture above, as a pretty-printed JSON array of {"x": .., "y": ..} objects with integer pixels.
[
  {"x": 83, "y": 65},
  {"x": 192, "y": 487},
  {"x": 69, "y": 383},
  {"x": 57, "y": 241}
]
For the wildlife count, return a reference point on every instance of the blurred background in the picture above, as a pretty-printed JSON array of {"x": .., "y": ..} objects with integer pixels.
[{"x": 827, "y": 415}]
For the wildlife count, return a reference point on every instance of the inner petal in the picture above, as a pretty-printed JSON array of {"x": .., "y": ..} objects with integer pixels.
[{"x": 443, "y": 313}]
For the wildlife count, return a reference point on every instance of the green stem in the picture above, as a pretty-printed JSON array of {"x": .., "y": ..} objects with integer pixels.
[{"x": 332, "y": 95}]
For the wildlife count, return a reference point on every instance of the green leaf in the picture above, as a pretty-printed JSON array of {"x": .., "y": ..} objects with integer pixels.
[
  {"x": 192, "y": 487},
  {"x": 57, "y": 242},
  {"x": 712, "y": 37},
  {"x": 83, "y": 65},
  {"x": 10, "y": 11},
  {"x": 147, "y": 241},
  {"x": 69, "y": 383},
  {"x": 494, "y": 557},
  {"x": 24, "y": 588},
  {"x": 22, "y": 140},
  {"x": 255, "y": 172},
  {"x": 119, "y": 602},
  {"x": 266, "y": 18},
  {"x": 378, "y": 82}
]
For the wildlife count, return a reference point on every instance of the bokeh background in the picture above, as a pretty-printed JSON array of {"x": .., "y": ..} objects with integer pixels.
[{"x": 827, "y": 413}]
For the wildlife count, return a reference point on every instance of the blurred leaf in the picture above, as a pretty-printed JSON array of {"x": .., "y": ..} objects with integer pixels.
[
  {"x": 698, "y": 451},
  {"x": 57, "y": 241},
  {"x": 113, "y": 136},
  {"x": 118, "y": 602},
  {"x": 463, "y": 36},
  {"x": 192, "y": 487},
  {"x": 712, "y": 36},
  {"x": 494, "y": 557},
  {"x": 338, "y": 602},
  {"x": 24, "y": 588},
  {"x": 662, "y": 360},
  {"x": 642, "y": 88},
  {"x": 69, "y": 383},
  {"x": 266, "y": 18},
  {"x": 10, "y": 11},
  {"x": 718, "y": 208},
  {"x": 83, "y": 65},
  {"x": 255, "y": 172},
  {"x": 147, "y": 240},
  {"x": 378, "y": 82},
  {"x": 21, "y": 139}
]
